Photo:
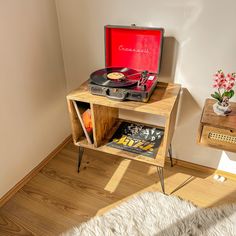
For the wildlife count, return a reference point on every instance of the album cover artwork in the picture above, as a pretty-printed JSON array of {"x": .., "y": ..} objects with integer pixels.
[{"x": 137, "y": 138}]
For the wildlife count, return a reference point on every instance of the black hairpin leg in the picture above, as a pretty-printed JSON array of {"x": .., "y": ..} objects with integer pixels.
[
  {"x": 170, "y": 155},
  {"x": 80, "y": 155},
  {"x": 161, "y": 177}
]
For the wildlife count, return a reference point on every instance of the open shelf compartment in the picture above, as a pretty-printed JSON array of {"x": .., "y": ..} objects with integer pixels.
[
  {"x": 76, "y": 109},
  {"x": 105, "y": 122}
]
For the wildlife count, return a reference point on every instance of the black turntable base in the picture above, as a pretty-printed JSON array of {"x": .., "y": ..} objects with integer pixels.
[{"x": 121, "y": 84}]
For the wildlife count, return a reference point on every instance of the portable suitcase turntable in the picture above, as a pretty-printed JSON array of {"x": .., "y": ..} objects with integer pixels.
[{"x": 133, "y": 59}]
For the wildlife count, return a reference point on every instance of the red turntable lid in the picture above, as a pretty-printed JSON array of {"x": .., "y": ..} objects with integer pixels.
[{"x": 134, "y": 47}]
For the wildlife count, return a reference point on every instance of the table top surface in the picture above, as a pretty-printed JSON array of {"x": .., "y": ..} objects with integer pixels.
[
  {"x": 160, "y": 103},
  {"x": 209, "y": 117}
]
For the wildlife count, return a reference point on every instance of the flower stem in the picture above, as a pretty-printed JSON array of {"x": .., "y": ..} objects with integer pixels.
[{"x": 219, "y": 91}]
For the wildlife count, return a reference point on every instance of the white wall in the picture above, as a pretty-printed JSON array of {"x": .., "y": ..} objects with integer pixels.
[
  {"x": 33, "y": 112},
  {"x": 204, "y": 35}
]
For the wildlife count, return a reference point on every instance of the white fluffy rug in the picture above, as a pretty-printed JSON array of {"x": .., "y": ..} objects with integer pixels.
[{"x": 154, "y": 213}]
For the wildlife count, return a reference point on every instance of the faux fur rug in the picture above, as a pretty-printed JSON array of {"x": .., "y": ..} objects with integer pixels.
[{"x": 154, "y": 213}]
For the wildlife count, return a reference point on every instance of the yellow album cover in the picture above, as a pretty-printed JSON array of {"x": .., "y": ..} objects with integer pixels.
[{"x": 137, "y": 138}]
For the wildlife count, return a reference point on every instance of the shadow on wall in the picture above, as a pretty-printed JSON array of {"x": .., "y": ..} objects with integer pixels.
[
  {"x": 169, "y": 59},
  {"x": 189, "y": 115},
  {"x": 185, "y": 137},
  {"x": 188, "y": 107}
]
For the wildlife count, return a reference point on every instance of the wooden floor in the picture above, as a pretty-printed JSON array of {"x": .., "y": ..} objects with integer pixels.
[{"x": 59, "y": 198}]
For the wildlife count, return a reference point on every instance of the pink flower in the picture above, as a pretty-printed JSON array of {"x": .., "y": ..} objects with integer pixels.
[
  {"x": 228, "y": 84},
  {"x": 219, "y": 75},
  {"x": 224, "y": 82},
  {"x": 219, "y": 82},
  {"x": 228, "y": 88},
  {"x": 222, "y": 75}
]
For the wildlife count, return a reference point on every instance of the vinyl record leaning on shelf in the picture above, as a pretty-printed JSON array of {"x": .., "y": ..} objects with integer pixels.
[{"x": 115, "y": 77}]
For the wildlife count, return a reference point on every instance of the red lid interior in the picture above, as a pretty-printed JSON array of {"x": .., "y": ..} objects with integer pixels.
[{"x": 133, "y": 47}]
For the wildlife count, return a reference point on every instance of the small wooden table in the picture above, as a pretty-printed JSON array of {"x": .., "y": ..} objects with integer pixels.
[
  {"x": 105, "y": 120},
  {"x": 217, "y": 131}
]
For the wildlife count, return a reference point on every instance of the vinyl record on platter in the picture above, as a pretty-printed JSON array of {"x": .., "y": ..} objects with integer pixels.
[{"x": 115, "y": 77}]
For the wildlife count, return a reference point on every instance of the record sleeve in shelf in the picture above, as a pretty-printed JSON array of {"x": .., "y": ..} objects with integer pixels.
[{"x": 137, "y": 138}]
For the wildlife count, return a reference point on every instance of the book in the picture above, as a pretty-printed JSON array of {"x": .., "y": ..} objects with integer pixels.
[
  {"x": 137, "y": 138},
  {"x": 87, "y": 134}
]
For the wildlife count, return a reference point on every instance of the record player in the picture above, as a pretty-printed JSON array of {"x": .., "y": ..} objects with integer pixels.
[{"x": 133, "y": 59}]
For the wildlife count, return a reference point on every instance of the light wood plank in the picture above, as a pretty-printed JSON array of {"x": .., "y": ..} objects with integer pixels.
[
  {"x": 59, "y": 198},
  {"x": 32, "y": 173},
  {"x": 224, "y": 122},
  {"x": 217, "y": 131},
  {"x": 169, "y": 128},
  {"x": 159, "y": 160},
  {"x": 216, "y": 142},
  {"x": 160, "y": 103},
  {"x": 9, "y": 226},
  {"x": 77, "y": 130},
  {"x": 104, "y": 118}
]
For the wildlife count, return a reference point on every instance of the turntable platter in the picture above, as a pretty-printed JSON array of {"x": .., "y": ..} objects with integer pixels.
[{"x": 115, "y": 77}]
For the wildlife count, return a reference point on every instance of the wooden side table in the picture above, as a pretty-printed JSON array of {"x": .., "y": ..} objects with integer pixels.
[
  {"x": 217, "y": 131},
  {"x": 105, "y": 120}
]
